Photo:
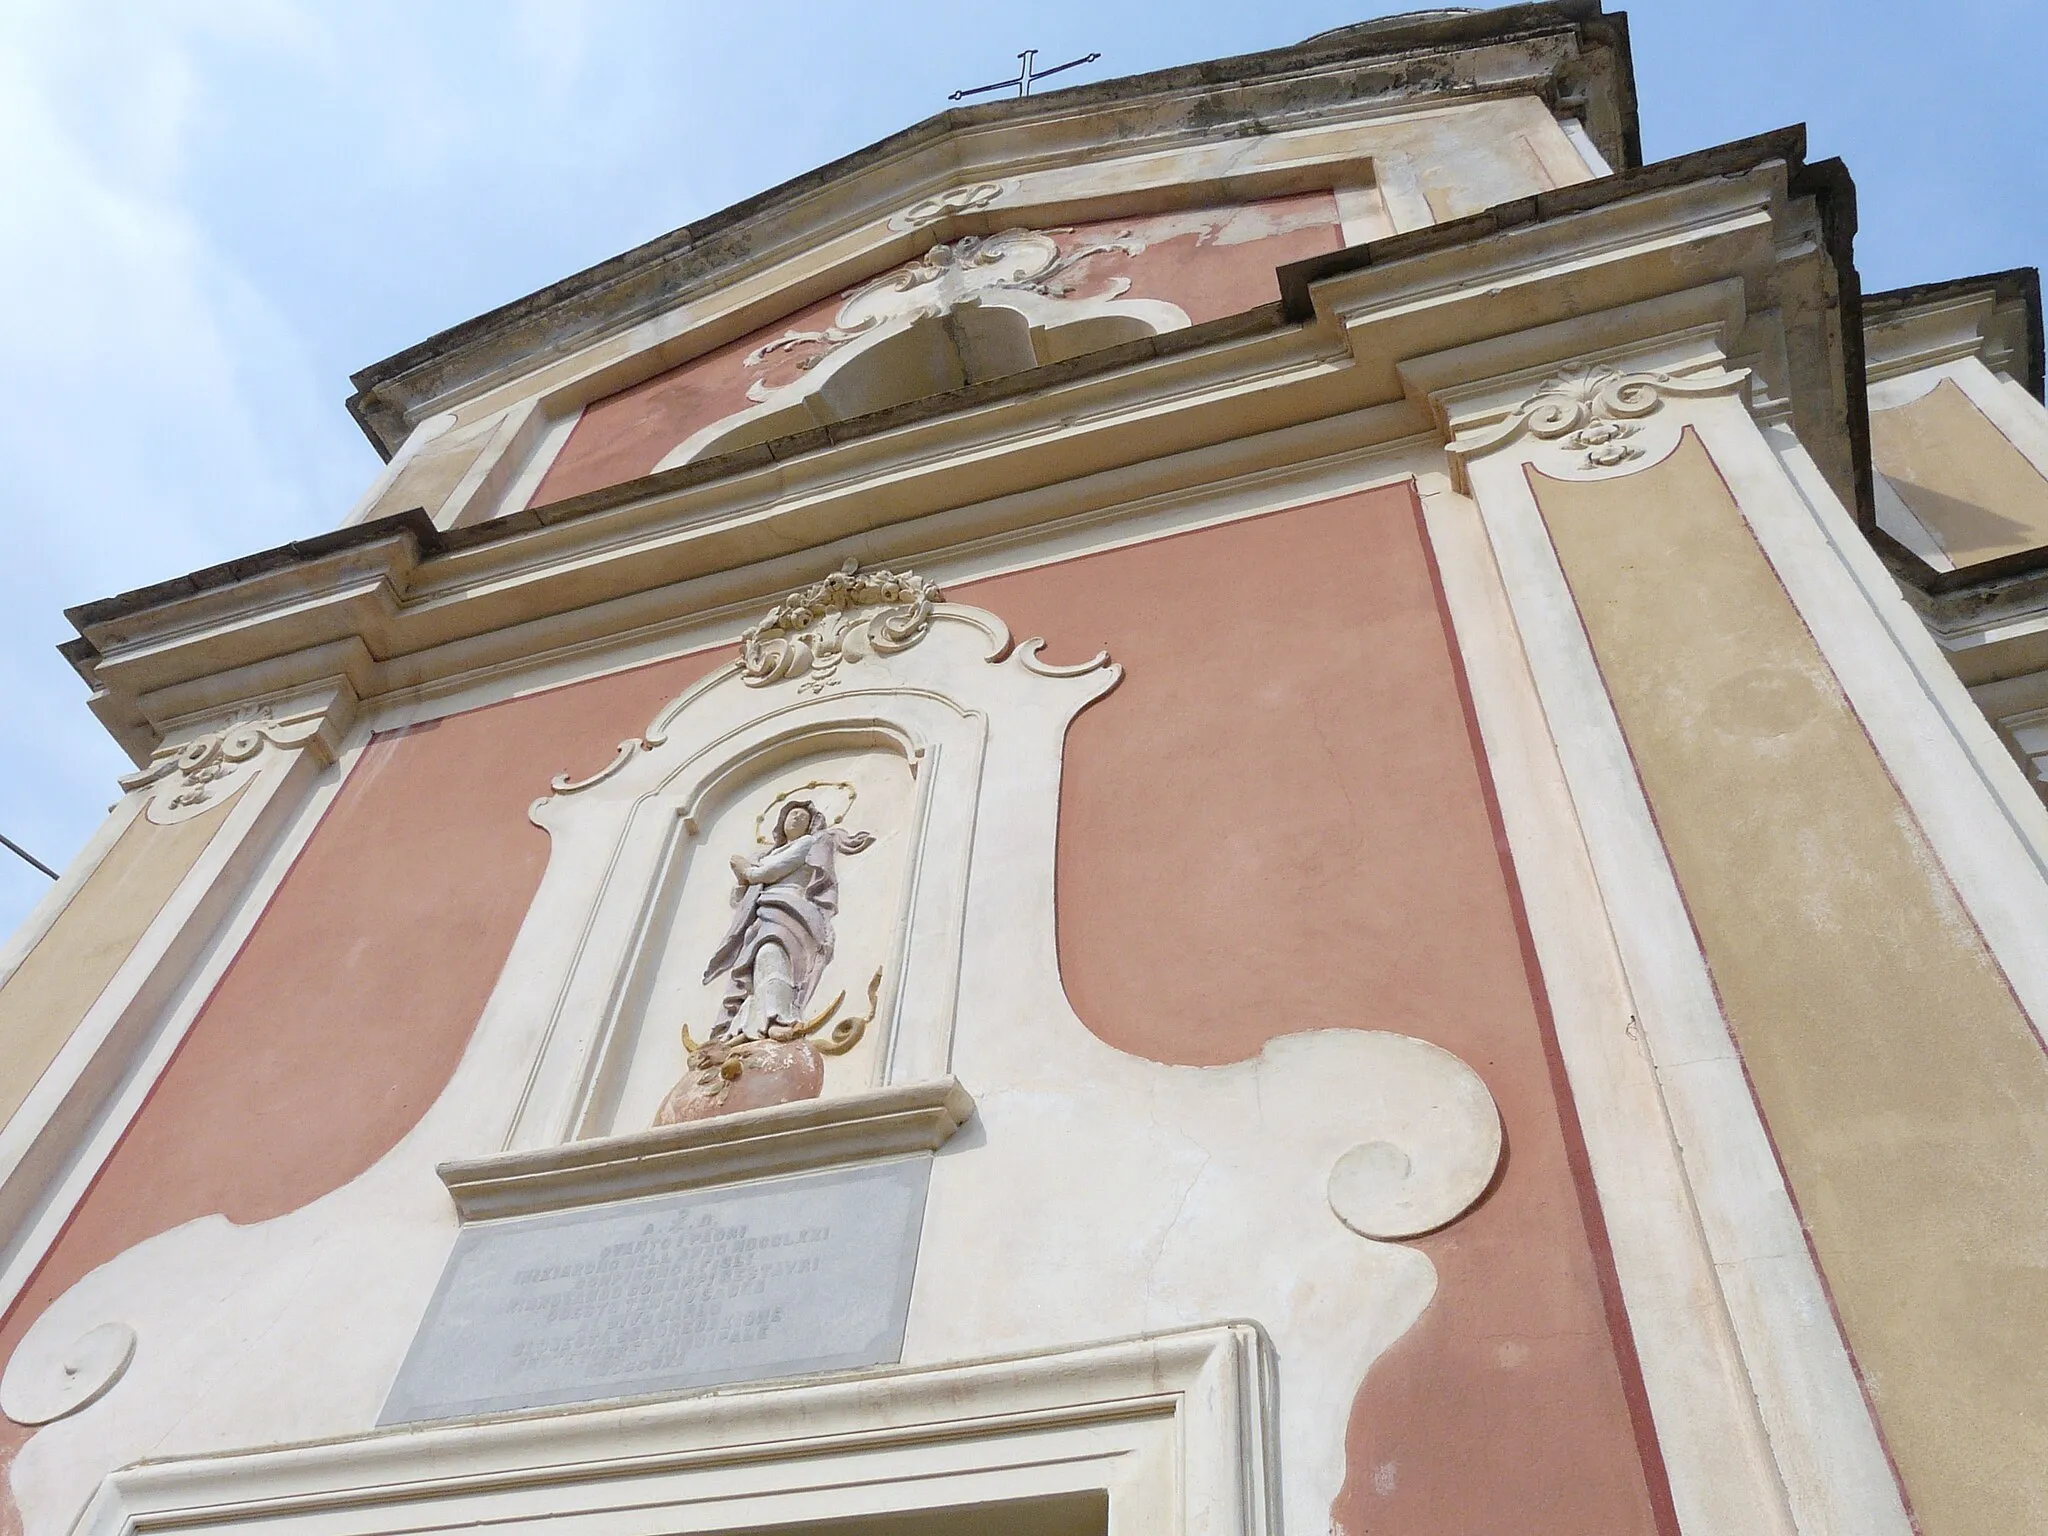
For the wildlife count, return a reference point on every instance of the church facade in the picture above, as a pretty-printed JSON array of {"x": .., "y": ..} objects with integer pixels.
[{"x": 1267, "y": 799}]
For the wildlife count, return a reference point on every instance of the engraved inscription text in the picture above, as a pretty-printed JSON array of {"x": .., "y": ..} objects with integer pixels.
[{"x": 775, "y": 1278}]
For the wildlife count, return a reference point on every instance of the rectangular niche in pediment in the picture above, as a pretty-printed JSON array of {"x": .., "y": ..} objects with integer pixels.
[{"x": 791, "y": 961}]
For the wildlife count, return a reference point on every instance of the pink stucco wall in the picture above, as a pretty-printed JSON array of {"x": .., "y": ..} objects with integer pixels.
[{"x": 1342, "y": 868}]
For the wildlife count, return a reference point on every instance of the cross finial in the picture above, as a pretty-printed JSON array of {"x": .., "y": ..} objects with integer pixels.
[{"x": 1026, "y": 75}]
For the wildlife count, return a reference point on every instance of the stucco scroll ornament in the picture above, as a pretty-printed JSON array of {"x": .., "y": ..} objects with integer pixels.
[
  {"x": 1593, "y": 412},
  {"x": 1016, "y": 261},
  {"x": 1016, "y": 258},
  {"x": 929, "y": 210},
  {"x": 785, "y": 899},
  {"x": 198, "y": 774},
  {"x": 845, "y": 618}
]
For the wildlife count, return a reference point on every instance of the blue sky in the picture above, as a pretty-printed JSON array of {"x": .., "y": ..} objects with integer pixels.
[{"x": 215, "y": 210}]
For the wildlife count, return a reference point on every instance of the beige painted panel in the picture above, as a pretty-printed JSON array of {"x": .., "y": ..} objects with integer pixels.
[
  {"x": 431, "y": 475},
  {"x": 1961, "y": 476},
  {"x": 62, "y": 977},
  {"x": 1906, "y": 1091}
]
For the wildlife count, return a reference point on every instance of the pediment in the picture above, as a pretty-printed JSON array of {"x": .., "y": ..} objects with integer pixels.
[
  {"x": 1173, "y": 139},
  {"x": 962, "y": 313}
]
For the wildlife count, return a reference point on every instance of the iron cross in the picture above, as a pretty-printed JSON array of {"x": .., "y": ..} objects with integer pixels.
[{"x": 1025, "y": 75}]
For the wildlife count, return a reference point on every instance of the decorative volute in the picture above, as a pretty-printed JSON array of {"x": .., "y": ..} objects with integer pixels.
[
  {"x": 846, "y": 617},
  {"x": 1580, "y": 420},
  {"x": 191, "y": 776}
]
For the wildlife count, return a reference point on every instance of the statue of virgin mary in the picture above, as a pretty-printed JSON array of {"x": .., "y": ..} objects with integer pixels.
[{"x": 781, "y": 935}]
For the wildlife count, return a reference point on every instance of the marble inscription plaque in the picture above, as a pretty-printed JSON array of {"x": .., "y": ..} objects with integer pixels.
[{"x": 778, "y": 1277}]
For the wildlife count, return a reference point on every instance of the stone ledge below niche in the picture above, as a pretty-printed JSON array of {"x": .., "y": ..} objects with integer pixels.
[{"x": 752, "y": 1144}]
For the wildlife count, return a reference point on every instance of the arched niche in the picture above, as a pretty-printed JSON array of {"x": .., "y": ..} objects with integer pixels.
[
  {"x": 638, "y": 885},
  {"x": 965, "y": 313},
  {"x": 866, "y": 781}
]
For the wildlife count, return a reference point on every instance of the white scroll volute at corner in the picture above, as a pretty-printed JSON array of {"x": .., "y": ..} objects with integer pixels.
[{"x": 1391, "y": 1188}]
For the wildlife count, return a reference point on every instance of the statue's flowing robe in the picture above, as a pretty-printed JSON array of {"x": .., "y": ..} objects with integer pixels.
[{"x": 786, "y": 901}]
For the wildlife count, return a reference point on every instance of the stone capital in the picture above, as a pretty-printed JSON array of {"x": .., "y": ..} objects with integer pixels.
[
  {"x": 1595, "y": 414},
  {"x": 208, "y": 759}
]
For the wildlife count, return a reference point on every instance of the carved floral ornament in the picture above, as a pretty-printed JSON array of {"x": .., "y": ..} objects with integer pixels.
[
  {"x": 844, "y": 619},
  {"x": 198, "y": 774},
  {"x": 1593, "y": 414},
  {"x": 1593, "y": 410},
  {"x": 1014, "y": 261},
  {"x": 847, "y": 617},
  {"x": 1019, "y": 298}
]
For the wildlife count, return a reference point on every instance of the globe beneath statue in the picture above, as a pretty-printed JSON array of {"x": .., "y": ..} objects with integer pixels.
[{"x": 727, "y": 1076}]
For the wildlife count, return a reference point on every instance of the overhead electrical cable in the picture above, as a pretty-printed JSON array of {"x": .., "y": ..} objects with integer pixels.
[{"x": 17, "y": 848}]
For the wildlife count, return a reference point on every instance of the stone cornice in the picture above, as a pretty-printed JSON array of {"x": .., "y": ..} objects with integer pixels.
[
  {"x": 1990, "y": 619},
  {"x": 1209, "y": 1386},
  {"x": 1564, "y": 51},
  {"x": 396, "y": 605},
  {"x": 1996, "y": 317},
  {"x": 1741, "y": 155},
  {"x": 753, "y": 1144}
]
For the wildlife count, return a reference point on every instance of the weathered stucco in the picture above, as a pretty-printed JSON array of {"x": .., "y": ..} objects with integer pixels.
[
  {"x": 1211, "y": 262},
  {"x": 1320, "y": 853},
  {"x": 1278, "y": 847},
  {"x": 1978, "y": 494},
  {"x": 42, "y": 1002},
  {"x": 345, "y": 1012},
  {"x": 1904, "y": 1088},
  {"x": 1334, "y": 864}
]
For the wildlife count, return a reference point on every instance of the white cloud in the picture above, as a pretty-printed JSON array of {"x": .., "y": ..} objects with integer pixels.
[
  {"x": 211, "y": 211},
  {"x": 156, "y": 412}
]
